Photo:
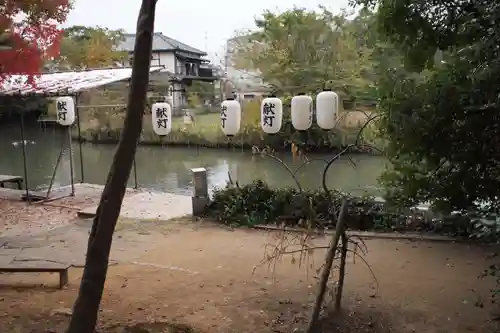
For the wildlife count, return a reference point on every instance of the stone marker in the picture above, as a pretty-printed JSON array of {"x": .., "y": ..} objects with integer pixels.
[{"x": 200, "y": 197}]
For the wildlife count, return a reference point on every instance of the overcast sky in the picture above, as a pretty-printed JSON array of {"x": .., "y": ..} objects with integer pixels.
[{"x": 204, "y": 24}]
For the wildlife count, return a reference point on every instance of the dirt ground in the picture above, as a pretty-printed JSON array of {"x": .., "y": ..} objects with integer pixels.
[
  {"x": 20, "y": 218},
  {"x": 17, "y": 217},
  {"x": 209, "y": 278}
]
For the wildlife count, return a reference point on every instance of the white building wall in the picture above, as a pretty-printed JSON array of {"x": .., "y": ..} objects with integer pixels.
[{"x": 166, "y": 59}]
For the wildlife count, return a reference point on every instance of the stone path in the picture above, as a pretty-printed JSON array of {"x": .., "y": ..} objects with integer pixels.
[
  {"x": 142, "y": 222},
  {"x": 150, "y": 206},
  {"x": 68, "y": 244}
]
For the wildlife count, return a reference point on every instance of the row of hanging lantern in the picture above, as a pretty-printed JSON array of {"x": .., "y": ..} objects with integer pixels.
[
  {"x": 327, "y": 105},
  {"x": 161, "y": 114}
]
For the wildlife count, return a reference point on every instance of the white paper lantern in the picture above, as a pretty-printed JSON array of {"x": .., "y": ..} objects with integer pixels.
[
  {"x": 161, "y": 116},
  {"x": 327, "y": 106},
  {"x": 302, "y": 112},
  {"x": 230, "y": 117},
  {"x": 65, "y": 107},
  {"x": 271, "y": 115}
]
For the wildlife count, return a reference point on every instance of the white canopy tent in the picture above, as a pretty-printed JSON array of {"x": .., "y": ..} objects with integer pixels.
[
  {"x": 65, "y": 83},
  {"x": 60, "y": 84}
]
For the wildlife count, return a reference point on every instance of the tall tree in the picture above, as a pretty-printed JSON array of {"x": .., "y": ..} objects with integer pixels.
[
  {"x": 86, "y": 307},
  {"x": 88, "y": 47},
  {"x": 423, "y": 28},
  {"x": 29, "y": 34},
  {"x": 442, "y": 127},
  {"x": 299, "y": 48}
]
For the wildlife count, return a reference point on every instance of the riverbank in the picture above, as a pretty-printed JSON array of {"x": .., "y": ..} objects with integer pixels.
[
  {"x": 205, "y": 131},
  {"x": 228, "y": 144}
]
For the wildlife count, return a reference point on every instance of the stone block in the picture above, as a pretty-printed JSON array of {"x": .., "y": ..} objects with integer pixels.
[
  {"x": 199, "y": 205},
  {"x": 200, "y": 183}
]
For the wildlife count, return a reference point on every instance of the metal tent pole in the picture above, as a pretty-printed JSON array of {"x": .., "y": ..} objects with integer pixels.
[
  {"x": 25, "y": 164},
  {"x": 79, "y": 137},
  {"x": 54, "y": 172},
  {"x": 70, "y": 141}
]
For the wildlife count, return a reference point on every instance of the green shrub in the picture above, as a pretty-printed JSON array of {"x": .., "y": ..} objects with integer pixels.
[{"x": 257, "y": 203}]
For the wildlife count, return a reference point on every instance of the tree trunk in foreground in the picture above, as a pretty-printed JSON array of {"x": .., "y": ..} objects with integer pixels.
[
  {"x": 343, "y": 264},
  {"x": 86, "y": 307}
]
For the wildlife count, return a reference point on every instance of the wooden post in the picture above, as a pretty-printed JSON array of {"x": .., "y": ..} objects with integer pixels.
[
  {"x": 325, "y": 274},
  {"x": 343, "y": 262},
  {"x": 63, "y": 278}
]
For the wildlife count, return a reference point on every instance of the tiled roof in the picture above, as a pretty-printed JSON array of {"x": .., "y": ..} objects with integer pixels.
[{"x": 160, "y": 43}]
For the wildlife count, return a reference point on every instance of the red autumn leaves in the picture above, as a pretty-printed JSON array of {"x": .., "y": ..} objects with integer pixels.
[{"x": 29, "y": 34}]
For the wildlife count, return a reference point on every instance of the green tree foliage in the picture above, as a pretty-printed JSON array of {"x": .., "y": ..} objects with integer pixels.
[
  {"x": 88, "y": 47},
  {"x": 442, "y": 125},
  {"x": 425, "y": 27},
  {"x": 200, "y": 92},
  {"x": 383, "y": 55},
  {"x": 300, "y": 50}
]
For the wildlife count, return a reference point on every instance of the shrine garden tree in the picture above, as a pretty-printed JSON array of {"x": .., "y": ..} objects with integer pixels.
[
  {"x": 304, "y": 50},
  {"x": 442, "y": 125},
  {"x": 86, "y": 308},
  {"x": 88, "y": 47},
  {"x": 27, "y": 40}
]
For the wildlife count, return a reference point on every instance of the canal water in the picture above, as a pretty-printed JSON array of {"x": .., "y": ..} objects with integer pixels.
[{"x": 168, "y": 168}]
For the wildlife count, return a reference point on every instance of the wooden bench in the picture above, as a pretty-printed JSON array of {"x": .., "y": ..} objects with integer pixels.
[
  {"x": 62, "y": 269},
  {"x": 11, "y": 179}
]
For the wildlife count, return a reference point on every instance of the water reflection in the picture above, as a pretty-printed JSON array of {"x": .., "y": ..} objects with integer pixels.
[
  {"x": 42, "y": 150},
  {"x": 169, "y": 168}
]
